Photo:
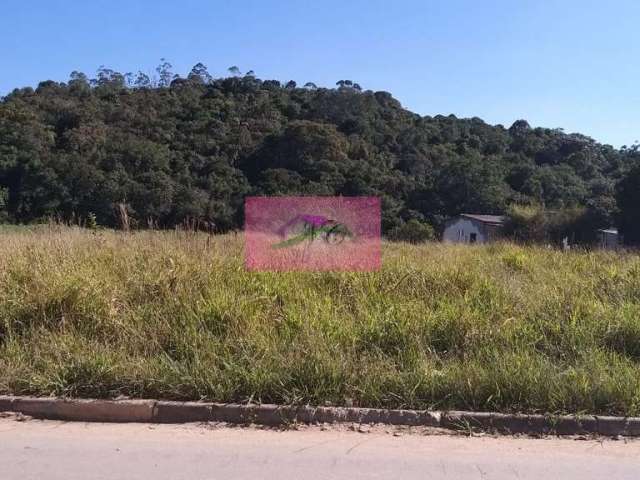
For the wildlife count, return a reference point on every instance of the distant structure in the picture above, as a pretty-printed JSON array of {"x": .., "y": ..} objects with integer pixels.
[
  {"x": 471, "y": 228},
  {"x": 609, "y": 238}
]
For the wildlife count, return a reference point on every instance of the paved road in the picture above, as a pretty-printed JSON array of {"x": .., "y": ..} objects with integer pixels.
[{"x": 56, "y": 450}]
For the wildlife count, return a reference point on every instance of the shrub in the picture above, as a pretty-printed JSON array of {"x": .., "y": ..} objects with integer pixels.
[
  {"x": 92, "y": 222},
  {"x": 535, "y": 224},
  {"x": 413, "y": 231}
]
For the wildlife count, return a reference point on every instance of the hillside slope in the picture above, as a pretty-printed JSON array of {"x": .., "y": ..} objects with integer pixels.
[{"x": 194, "y": 147}]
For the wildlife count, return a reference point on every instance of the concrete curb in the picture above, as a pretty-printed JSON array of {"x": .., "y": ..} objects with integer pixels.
[
  {"x": 160, "y": 411},
  {"x": 80, "y": 409}
]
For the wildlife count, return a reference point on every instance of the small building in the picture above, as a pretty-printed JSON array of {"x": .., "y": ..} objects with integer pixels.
[
  {"x": 609, "y": 238},
  {"x": 471, "y": 228}
]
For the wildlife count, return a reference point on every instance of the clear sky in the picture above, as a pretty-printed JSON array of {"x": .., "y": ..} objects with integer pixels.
[{"x": 573, "y": 64}]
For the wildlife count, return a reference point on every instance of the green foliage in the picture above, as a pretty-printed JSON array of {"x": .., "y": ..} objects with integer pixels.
[
  {"x": 526, "y": 223},
  {"x": 628, "y": 195},
  {"x": 535, "y": 224},
  {"x": 413, "y": 231},
  {"x": 3, "y": 205},
  {"x": 92, "y": 223},
  {"x": 174, "y": 148}
]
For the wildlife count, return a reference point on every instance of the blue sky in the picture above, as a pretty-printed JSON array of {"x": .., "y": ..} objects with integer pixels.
[{"x": 573, "y": 64}]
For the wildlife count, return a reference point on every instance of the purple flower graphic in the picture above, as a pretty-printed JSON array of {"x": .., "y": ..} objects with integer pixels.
[{"x": 313, "y": 226}]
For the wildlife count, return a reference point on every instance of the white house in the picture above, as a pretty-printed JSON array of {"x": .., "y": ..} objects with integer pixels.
[
  {"x": 609, "y": 238},
  {"x": 468, "y": 228}
]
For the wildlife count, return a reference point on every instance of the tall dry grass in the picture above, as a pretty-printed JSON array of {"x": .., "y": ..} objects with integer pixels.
[{"x": 175, "y": 315}]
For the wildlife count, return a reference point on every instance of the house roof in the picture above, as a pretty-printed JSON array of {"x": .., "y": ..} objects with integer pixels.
[{"x": 488, "y": 219}]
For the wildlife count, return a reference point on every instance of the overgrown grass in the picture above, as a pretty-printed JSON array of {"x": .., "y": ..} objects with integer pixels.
[{"x": 176, "y": 316}]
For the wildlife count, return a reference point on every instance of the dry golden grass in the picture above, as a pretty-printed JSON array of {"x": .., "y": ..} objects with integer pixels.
[{"x": 175, "y": 315}]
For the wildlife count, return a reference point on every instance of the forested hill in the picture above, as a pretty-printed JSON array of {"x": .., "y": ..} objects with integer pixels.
[{"x": 194, "y": 147}]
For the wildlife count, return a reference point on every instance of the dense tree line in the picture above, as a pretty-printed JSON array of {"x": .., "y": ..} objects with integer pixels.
[{"x": 171, "y": 148}]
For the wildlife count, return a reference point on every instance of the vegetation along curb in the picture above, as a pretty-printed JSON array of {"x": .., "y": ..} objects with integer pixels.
[{"x": 158, "y": 411}]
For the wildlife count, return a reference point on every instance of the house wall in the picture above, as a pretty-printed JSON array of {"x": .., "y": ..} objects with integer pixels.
[{"x": 460, "y": 230}]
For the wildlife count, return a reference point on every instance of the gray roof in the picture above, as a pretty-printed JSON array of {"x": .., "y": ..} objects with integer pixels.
[{"x": 490, "y": 219}]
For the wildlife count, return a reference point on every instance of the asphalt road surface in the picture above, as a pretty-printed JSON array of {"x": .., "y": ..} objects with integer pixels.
[{"x": 57, "y": 450}]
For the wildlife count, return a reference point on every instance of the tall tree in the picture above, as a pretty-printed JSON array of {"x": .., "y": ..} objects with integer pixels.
[
  {"x": 199, "y": 73},
  {"x": 165, "y": 73}
]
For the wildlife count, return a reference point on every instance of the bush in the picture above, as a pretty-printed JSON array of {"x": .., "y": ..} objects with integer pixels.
[
  {"x": 413, "y": 231},
  {"x": 535, "y": 224},
  {"x": 92, "y": 222},
  {"x": 526, "y": 223}
]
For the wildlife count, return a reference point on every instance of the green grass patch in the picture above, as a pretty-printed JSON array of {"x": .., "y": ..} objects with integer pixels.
[{"x": 175, "y": 316}]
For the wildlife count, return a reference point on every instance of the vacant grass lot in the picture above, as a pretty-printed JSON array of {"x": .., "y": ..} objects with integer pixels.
[{"x": 174, "y": 315}]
